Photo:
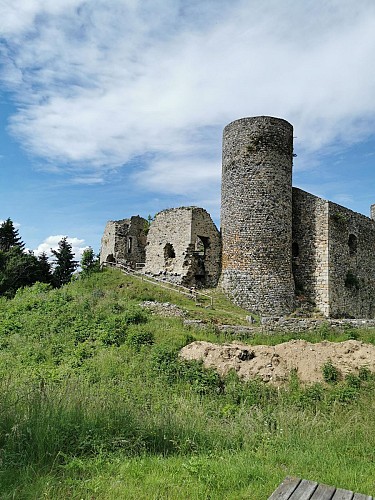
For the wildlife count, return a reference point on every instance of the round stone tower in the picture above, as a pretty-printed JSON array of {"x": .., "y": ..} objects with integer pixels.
[{"x": 256, "y": 214}]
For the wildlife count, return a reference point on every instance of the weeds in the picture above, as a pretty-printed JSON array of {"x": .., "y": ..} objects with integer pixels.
[
  {"x": 99, "y": 405},
  {"x": 331, "y": 374}
]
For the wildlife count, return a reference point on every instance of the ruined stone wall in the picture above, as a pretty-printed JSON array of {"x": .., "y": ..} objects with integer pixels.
[
  {"x": 183, "y": 245},
  {"x": 310, "y": 250},
  {"x": 124, "y": 240},
  {"x": 170, "y": 227},
  {"x": 256, "y": 214},
  {"x": 351, "y": 263},
  {"x": 206, "y": 249}
]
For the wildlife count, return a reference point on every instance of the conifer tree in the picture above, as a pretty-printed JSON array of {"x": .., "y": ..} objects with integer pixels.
[
  {"x": 9, "y": 236},
  {"x": 45, "y": 274},
  {"x": 64, "y": 265}
]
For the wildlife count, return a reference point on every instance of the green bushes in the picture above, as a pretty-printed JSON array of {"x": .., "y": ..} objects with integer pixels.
[
  {"x": 92, "y": 386},
  {"x": 330, "y": 373}
]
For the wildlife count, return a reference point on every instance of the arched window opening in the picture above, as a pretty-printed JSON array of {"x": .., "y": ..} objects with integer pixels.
[
  {"x": 295, "y": 249},
  {"x": 201, "y": 245},
  {"x": 353, "y": 244}
]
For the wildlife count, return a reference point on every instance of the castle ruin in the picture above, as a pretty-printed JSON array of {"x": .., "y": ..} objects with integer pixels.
[{"x": 280, "y": 248}]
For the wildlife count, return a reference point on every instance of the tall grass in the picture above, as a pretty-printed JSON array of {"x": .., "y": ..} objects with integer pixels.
[{"x": 95, "y": 403}]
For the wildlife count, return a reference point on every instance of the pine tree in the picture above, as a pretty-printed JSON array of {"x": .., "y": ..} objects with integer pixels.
[
  {"x": 9, "y": 236},
  {"x": 64, "y": 265},
  {"x": 45, "y": 274}
]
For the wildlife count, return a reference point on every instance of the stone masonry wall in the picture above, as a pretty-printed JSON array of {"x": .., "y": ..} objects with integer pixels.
[
  {"x": 124, "y": 240},
  {"x": 351, "y": 263},
  {"x": 256, "y": 214},
  {"x": 310, "y": 250},
  {"x": 184, "y": 246}
]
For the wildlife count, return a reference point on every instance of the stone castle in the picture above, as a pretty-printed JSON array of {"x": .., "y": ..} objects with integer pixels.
[{"x": 279, "y": 248}]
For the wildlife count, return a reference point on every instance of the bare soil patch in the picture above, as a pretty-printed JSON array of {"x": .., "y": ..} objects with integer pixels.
[{"x": 274, "y": 363}]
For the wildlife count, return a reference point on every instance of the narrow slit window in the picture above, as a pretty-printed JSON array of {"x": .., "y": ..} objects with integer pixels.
[{"x": 353, "y": 244}]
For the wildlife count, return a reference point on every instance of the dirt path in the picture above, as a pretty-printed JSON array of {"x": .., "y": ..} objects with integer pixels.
[{"x": 274, "y": 363}]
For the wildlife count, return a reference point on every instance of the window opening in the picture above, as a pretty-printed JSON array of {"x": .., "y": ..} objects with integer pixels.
[
  {"x": 353, "y": 244},
  {"x": 201, "y": 245},
  {"x": 130, "y": 244},
  {"x": 295, "y": 249},
  {"x": 169, "y": 252}
]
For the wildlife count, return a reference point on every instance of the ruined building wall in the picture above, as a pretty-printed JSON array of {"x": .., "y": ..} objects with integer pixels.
[
  {"x": 333, "y": 257},
  {"x": 124, "y": 240},
  {"x": 351, "y": 263},
  {"x": 183, "y": 245},
  {"x": 310, "y": 250},
  {"x": 170, "y": 227},
  {"x": 205, "y": 249},
  {"x": 256, "y": 214}
]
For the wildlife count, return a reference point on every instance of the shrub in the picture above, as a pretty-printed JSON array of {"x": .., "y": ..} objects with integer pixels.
[
  {"x": 202, "y": 380},
  {"x": 134, "y": 315},
  {"x": 331, "y": 374},
  {"x": 352, "y": 334},
  {"x": 353, "y": 381},
  {"x": 364, "y": 373},
  {"x": 344, "y": 394},
  {"x": 324, "y": 330},
  {"x": 139, "y": 338}
]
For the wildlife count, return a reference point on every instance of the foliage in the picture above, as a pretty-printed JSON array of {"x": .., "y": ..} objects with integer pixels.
[
  {"x": 330, "y": 373},
  {"x": 140, "y": 338},
  {"x": 150, "y": 220},
  {"x": 17, "y": 267},
  {"x": 89, "y": 262},
  {"x": 9, "y": 236},
  {"x": 84, "y": 414},
  {"x": 45, "y": 274},
  {"x": 64, "y": 265}
]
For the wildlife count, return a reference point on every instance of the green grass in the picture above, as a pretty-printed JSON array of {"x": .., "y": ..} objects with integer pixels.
[{"x": 96, "y": 404}]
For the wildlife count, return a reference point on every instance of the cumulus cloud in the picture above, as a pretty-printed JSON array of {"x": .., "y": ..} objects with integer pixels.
[
  {"x": 150, "y": 83},
  {"x": 16, "y": 225},
  {"x": 52, "y": 243}
]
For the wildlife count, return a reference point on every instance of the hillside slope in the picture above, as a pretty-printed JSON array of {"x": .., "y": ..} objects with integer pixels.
[{"x": 96, "y": 403}]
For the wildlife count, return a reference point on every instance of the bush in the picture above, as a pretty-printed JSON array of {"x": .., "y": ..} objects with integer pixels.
[
  {"x": 140, "y": 338},
  {"x": 353, "y": 381},
  {"x": 364, "y": 373},
  {"x": 331, "y": 374},
  {"x": 135, "y": 315}
]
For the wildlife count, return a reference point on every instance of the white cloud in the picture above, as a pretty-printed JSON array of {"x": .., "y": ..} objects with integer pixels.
[
  {"x": 52, "y": 243},
  {"x": 105, "y": 84},
  {"x": 16, "y": 225}
]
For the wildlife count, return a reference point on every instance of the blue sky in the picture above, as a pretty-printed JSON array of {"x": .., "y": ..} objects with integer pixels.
[{"x": 113, "y": 109}]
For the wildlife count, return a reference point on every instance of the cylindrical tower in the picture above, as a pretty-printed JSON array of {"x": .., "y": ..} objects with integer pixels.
[
  {"x": 256, "y": 214},
  {"x": 372, "y": 211}
]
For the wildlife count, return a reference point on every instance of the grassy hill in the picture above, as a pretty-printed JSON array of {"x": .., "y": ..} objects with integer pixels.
[{"x": 95, "y": 404}]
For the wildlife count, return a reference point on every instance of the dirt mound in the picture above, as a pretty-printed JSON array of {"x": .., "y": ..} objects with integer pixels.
[{"x": 274, "y": 363}]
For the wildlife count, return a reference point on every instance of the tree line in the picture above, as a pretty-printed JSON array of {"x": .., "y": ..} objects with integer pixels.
[{"x": 20, "y": 268}]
